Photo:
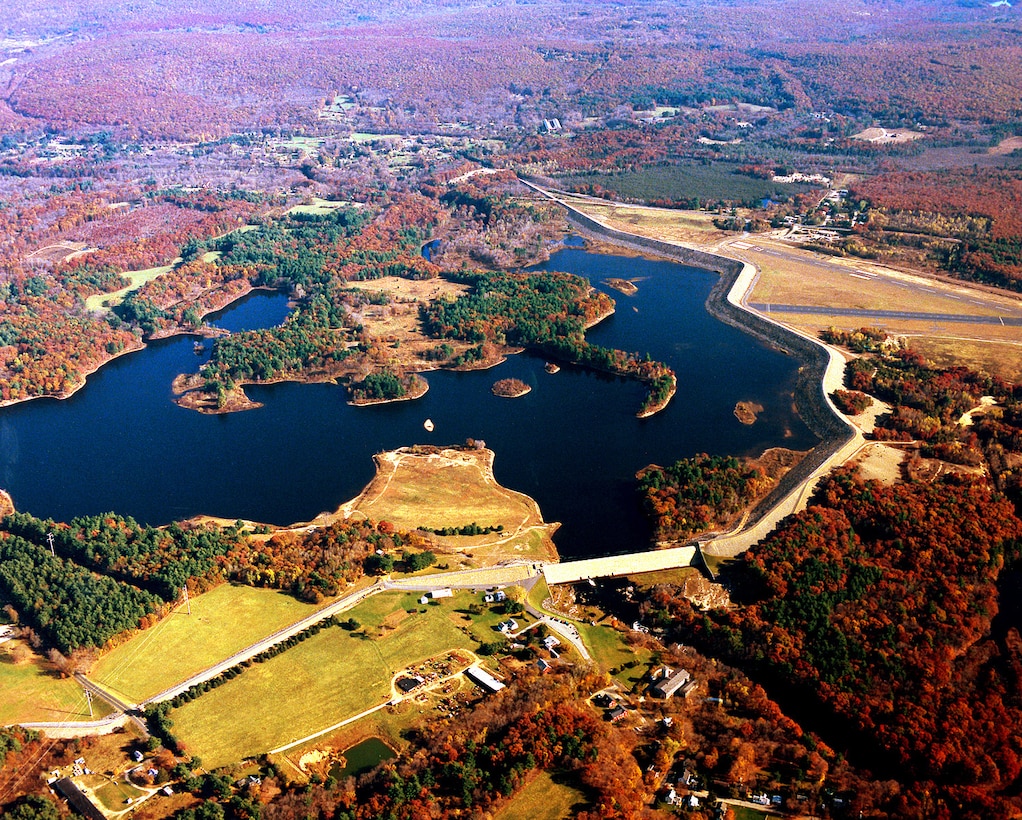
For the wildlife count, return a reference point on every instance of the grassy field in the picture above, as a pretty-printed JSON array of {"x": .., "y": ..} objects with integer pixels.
[
  {"x": 717, "y": 181},
  {"x": 745, "y": 813},
  {"x": 136, "y": 279},
  {"x": 109, "y": 792},
  {"x": 818, "y": 282},
  {"x": 545, "y": 797},
  {"x": 319, "y": 206},
  {"x": 440, "y": 492},
  {"x": 327, "y": 678},
  {"x": 669, "y": 225},
  {"x": 454, "y": 489},
  {"x": 1003, "y": 358},
  {"x": 33, "y": 691},
  {"x": 610, "y": 651},
  {"x": 223, "y": 621}
]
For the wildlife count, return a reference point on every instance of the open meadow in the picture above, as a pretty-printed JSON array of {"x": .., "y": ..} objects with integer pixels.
[
  {"x": 547, "y": 796},
  {"x": 666, "y": 224},
  {"x": 455, "y": 488},
  {"x": 33, "y": 690},
  {"x": 135, "y": 278},
  {"x": 223, "y": 621},
  {"x": 327, "y": 678}
]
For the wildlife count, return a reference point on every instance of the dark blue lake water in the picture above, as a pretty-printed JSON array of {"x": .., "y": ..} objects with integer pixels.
[{"x": 573, "y": 443}]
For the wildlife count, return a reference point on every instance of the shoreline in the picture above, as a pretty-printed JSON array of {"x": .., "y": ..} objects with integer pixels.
[
  {"x": 822, "y": 368},
  {"x": 205, "y": 332},
  {"x": 140, "y": 345}
]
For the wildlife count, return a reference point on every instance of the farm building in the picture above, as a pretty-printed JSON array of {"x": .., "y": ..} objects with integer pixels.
[
  {"x": 407, "y": 684},
  {"x": 668, "y": 685},
  {"x": 482, "y": 678},
  {"x": 78, "y": 799}
]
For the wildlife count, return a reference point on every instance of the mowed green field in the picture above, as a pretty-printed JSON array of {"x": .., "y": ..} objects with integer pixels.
[
  {"x": 545, "y": 797},
  {"x": 33, "y": 691},
  {"x": 611, "y": 652},
  {"x": 329, "y": 677},
  {"x": 223, "y": 621}
]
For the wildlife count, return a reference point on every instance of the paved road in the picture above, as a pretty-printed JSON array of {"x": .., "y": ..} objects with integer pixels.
[
  {"x": 1005, "y": 321},
  {"x": 913, "y": 284},
  {"x": 561, "y": 627},
  {"x": 80, "y": 728}
]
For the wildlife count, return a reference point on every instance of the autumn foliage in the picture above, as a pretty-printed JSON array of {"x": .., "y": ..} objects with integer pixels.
[{"x": 877, "y": 604}]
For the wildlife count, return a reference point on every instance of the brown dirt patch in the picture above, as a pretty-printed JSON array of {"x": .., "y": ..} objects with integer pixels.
[
  {"x": 394, "y": 619},
  {"x": 886, "y": 136},
  {"x": 667, "y": 224},
  {"x": 777, "y": 461},
  {"x": 881, "y": 462}
]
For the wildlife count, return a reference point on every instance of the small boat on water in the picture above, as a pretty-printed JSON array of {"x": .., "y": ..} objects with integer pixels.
[
  {"x": 428, "y": 424},
  {"x": 199, "y": 347}
]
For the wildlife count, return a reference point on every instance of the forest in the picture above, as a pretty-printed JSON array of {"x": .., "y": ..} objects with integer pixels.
[
  {"x": 879, "y": 604},
  {"x": 698, "y": 494},
  {"x": 548, "y": 312},
  {"x": 979, "y": 210}
]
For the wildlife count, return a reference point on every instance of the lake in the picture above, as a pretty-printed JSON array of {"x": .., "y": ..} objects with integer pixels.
[{"x": 573, "y": 443}]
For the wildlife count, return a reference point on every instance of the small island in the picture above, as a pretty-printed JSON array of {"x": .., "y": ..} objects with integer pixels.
[
  {"x": 625, "y": 286},
  {"x": 510, "y": 388},
  {"x": 551, "y": 368},
  {"x": 384, "y": 387},
  {"x": 748, "y": 411}
]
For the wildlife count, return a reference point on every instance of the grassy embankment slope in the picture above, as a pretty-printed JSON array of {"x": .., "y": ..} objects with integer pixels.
[
  {"x": 223, "y": 621},
  {"x": 34, "y": 691}
]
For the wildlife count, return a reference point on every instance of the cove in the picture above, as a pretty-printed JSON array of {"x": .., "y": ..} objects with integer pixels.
[{"x": 573, "y": 443}]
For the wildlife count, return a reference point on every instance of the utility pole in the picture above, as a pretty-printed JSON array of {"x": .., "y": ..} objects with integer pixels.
[
  {"x": 187, "y": 602},
  {"x": 49, "y": 538},
  {"x": 88, "y": 697}
]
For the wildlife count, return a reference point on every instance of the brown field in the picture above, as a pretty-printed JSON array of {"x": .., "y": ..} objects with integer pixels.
[
  {"x": 421, "y": 290},
  {"x": 987, "y": 348},
  {"x": 997, "y": 357},
  {"x": 440, "y": 488},
  {"x": 1006, "y": 146},
  {"x": 667, "y": 224},
  {"x": 396, "y": 328},
  {"x": 791, "y": 281},
  {"x": 887, "y": 135}
]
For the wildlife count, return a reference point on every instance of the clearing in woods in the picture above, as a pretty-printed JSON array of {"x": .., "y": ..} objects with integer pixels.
[{"x": 546, "y": 797}]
